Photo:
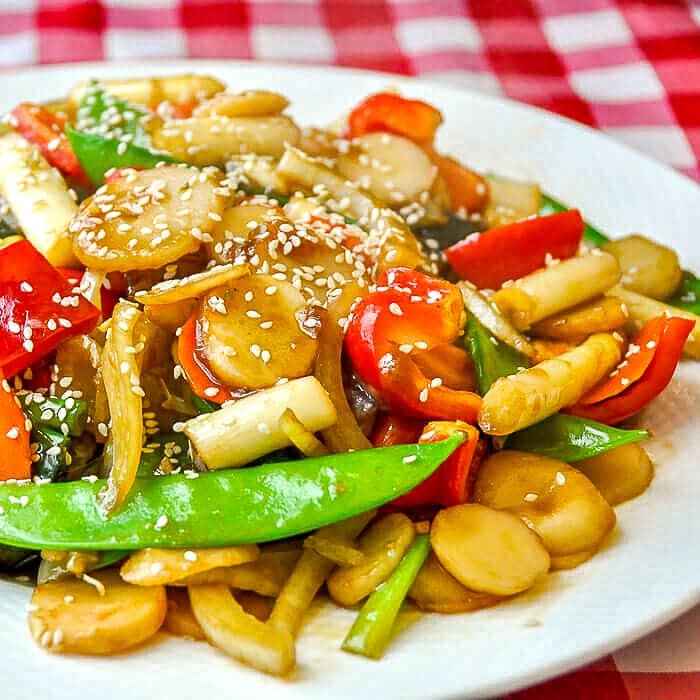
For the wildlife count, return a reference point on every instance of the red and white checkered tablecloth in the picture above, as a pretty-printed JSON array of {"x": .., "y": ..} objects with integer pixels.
[{"x": 628, "y": 67}]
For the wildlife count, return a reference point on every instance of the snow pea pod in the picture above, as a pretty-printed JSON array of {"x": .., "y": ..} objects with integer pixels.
[
  {"x": 492, "y": 357},
  {"x": 109, "y": 116},
  {"x": 233, "y": 506},
  {"x": 570, "y": 438},
  {"x": 687, "y": 296},
  {"x": 590, "y": 233},
  {"x": 97, "y": 154}
]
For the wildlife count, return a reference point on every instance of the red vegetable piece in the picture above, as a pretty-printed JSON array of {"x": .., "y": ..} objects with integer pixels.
[
  {"x": 450, "y": 484},
  {"x": 38, "y": 308},
  {"x": 385, "y": 111},
  {"x": 654, "y": 380},
  {"x": 512, "y": 251},
  {"x": 16, "y": 462},
  {"x": 638, "y": 358},
  {"x": 408, "y": 312},
  {"x": 396, "y": 430},
  {"x": 47, "y": 131},
  {"x": 190, "y": 354},
  {"x": 468, "y": 191}
]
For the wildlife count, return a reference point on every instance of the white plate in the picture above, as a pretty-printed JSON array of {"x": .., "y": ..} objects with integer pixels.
[{"x": 647, "y": 574}]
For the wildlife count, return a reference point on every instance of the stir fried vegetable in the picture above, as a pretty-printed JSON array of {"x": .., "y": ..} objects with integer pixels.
[
  {"x": 178, "y": 507},
  {"x": 237, "y": 363},
  {"x": 372, "y": 628}
]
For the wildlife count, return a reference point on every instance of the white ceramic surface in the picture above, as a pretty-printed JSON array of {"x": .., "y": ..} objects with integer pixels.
[{"x": 647, "y": 574}]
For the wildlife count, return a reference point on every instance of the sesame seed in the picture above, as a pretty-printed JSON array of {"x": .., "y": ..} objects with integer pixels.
[
  {"x": 560, "y": 479},
  {"x": 423, "y": 396},
  {"x": 530, "y": 497},
  {"x": 406, "y": 348},
  {"x": 395, "y": 309},
  {"x": 211, "y": 391},
  {"x": 409, "y": 458},
  {"x": 161, "y": 522},
  {"x": 14, "y": 327},
  {"x": 13, "y": 433},
  {"x": 189, "y": 555},
  {"x": 265, "y": 356},
  {"x": 26, "y": 287},
  {"x": 28, "y": 345},
  {"x": 178, "y": 427}
]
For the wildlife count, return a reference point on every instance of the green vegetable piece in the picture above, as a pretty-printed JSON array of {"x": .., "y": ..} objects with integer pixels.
[
  {"x": 52, "y": 412},
  {"x": 570, "y": 438},
  {"x": 109, "y": 558},
  {"x": 590, "y": 233},
  {"x": 13, "y": 557},
  {"x": 106, "y": 115},
  {"x": 52, "y": 453},
  {"x": 174, "y": 448},
  {"x": 231, "y": 506},
  {"x": 370, "y": 633},
  {"x": 687, "y": 296},
  {"x": 97, "y": 154},
  {"x": 6, "y": 229},
  {"x": 492, "y": 357},
  {"x": 202, "y": 405}
]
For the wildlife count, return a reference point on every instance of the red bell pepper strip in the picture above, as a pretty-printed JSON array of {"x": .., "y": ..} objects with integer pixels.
[
  {"x": 658, "y": 374},
  {"x": 38, "y": 308},
  {"x": 451, "y": 483},
  {"x": 449, "y": 362},
  {"x": 395, "y": 429},
  {"x": 190, "y": 355},
  {"x": 508, "y": 252},
  {"x": 408, "y": 312},
  {"x": 638, "y": 358},
  {"x": 16, "y": 462},
  {"x": 47, "y": 131},
  {"x": 385, "y": 111}
]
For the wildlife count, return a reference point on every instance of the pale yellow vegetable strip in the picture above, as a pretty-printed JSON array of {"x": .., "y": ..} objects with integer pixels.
[
  {"x": 205, "y": 141},
  {"x": 121, "y": 374},
  {"x": 265, "y": 576},
  {"x": 154, "y": 566},
  {"x": 151, "y": 91},
  {"x": 643, "y": 309},
  {"x": 308, "y": 576},
  {"x": 253, "y": 103},
  {"x": 176, "y": 290},
  {"x": 304, "y": 440},
  {"x": 346, "y": 433},
  {"x": 39, "y": 198},
  {"x": 339, "y": 550},
  {"x": 384, "y": 544},
  {"x": 238, "y": 634},
  {"x": 515, "y": 402},
  {"x": 392, "y": 241},
  {"x": 599, "y": 315},
  {"x": 557, "y": 287}
]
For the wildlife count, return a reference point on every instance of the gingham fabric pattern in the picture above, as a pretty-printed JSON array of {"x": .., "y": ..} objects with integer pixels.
[{"x": 629, "y": 68}]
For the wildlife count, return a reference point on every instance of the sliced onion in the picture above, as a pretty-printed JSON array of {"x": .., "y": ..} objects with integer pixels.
[{"x": 489, "y": 316}]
